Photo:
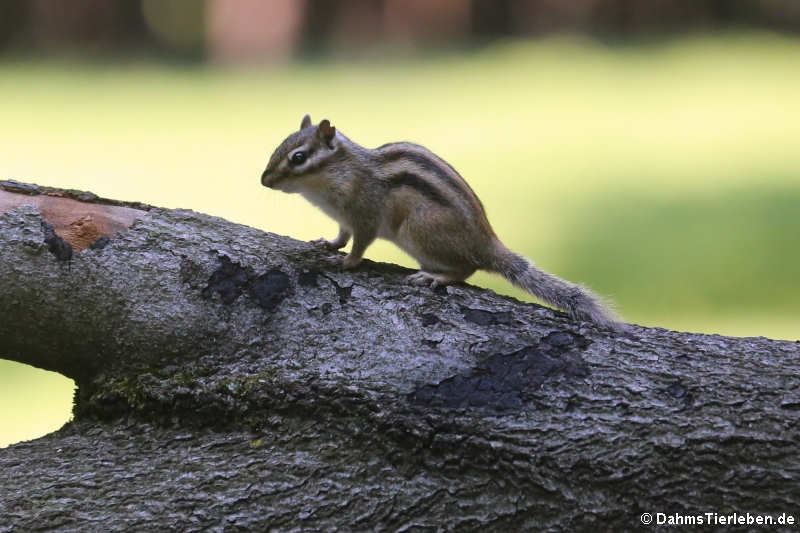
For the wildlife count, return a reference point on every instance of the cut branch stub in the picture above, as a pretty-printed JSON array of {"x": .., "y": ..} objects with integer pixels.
[{"x": 72, "y": 218}]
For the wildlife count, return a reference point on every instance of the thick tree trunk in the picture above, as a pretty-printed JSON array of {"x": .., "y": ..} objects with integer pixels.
[{"x": 230, "y": 379}]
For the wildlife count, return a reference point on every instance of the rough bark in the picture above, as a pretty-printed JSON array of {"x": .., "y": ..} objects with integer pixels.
[{"x": 231, "y": 379}]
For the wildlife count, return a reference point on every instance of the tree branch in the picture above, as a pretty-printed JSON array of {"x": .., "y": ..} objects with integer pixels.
[{"x": 231, "y": 378}]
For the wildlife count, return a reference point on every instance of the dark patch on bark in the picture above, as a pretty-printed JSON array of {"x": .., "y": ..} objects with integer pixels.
[
  {"x": 679, "y": 392},
  {"x": 565, "y": 340},
  {"x": 57, "y": 246},
  {"x": 268, "y": 290},
  {"x": 231, "y": 279},
  {"x": 343, "y": 293},
  {"x": 486, "y": 318},
  {"x": 429, "y": 319},
  {"x": 100, "y": 243},
  {"x": 508, "y": 381},
  {"x": 327, "y": 308},
  {"x": 676, "y": 390},
  {"x": 228, "y": 281},
  {"x": 308, "y": 278}
]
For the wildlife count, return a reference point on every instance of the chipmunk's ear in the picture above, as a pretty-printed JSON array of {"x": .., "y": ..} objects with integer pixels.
[
  {"x": 326, "y": 132},
  {"x": 306, "y": 122}
]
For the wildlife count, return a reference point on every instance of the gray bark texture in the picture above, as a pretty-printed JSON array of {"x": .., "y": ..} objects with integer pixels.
[{"x": 235, "y": 380}]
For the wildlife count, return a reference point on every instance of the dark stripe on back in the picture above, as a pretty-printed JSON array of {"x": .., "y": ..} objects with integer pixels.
[
  {"x": 430, "y": 164},
  {"x": 408, "y": 179}
]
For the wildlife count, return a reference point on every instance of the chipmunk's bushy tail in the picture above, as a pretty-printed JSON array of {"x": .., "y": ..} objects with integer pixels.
[{"x": 578, "y": 301}]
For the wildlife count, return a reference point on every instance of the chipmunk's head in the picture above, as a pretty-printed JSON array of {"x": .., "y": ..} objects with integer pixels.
[{"x": 302, "y": 156}]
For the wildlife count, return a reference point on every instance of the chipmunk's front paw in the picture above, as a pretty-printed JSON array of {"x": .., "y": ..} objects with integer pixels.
[
  {"x": 345, "y": 262},
  {"x": 327, "y": 244},
  {"x": 350, "y": 261}
]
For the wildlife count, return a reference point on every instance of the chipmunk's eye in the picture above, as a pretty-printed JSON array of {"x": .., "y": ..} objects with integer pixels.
[{"x": 298, "y": 158}]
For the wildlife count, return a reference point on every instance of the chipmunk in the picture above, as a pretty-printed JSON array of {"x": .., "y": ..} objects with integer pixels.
[{"x": 404, "y": 193}]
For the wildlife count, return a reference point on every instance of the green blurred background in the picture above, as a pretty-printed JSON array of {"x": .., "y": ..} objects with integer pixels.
[{"x": 649, "y": 150}]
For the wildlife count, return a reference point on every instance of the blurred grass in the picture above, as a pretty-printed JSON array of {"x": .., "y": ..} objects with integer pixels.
[
  {"x": 33, "y": 402},
  {"x": 666, "y": 176}
]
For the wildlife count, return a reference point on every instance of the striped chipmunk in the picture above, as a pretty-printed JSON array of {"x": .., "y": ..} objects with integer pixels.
[{"x": 404, "y": 193}]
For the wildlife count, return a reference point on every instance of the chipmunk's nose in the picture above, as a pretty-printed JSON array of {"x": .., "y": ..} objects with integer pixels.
[{"x": 265, "y": 178}]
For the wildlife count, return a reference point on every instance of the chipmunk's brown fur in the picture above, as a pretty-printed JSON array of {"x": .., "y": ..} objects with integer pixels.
[{"x": 406, "y": 194}]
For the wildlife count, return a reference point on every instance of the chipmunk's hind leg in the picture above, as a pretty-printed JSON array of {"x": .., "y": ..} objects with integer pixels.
[
  {"x": 442, "y": 242},
  {"x": 436, "y": 279}
]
